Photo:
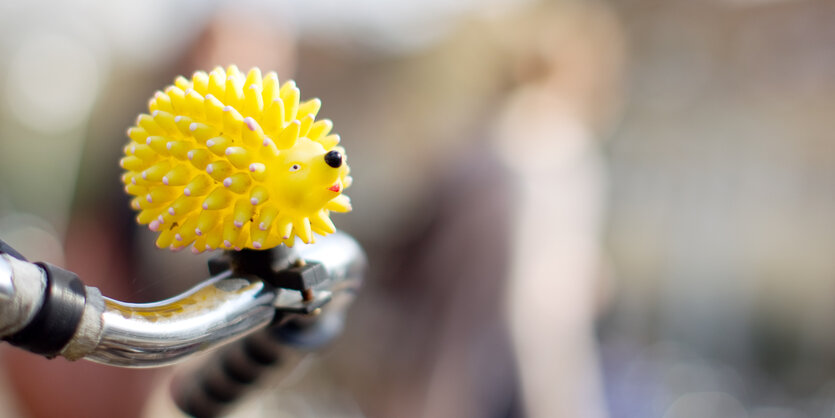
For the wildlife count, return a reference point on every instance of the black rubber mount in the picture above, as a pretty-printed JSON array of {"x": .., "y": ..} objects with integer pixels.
[
  {"x": 58, "y": 319},
  {"x": 259, "y": 263}
]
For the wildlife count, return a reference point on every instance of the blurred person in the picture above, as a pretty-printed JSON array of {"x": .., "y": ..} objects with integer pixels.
[
  {"x": 570, "y": 58},
  {"x": 488, "y": 281}
]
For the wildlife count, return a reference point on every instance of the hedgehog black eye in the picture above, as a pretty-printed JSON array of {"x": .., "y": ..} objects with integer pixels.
[
  {"x": 295, "y": 167},
  {"x": 333, "y": 159}
]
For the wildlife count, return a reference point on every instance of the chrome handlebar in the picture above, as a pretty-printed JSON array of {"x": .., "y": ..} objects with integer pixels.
[{"x": 221, "y": 309}]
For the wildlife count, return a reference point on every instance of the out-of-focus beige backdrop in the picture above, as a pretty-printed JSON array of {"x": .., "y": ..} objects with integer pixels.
[{"x": 571, "y": 208}]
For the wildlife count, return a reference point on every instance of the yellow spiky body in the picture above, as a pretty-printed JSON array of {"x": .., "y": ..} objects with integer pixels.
[{"x": 233, "y": 160}]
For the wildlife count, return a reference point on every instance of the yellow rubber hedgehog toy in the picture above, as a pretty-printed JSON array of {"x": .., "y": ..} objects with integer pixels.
[{"x": 233, "y": 160}]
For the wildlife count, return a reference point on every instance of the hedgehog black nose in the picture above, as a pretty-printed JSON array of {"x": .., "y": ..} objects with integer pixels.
[{"x": 333, "y": 159}]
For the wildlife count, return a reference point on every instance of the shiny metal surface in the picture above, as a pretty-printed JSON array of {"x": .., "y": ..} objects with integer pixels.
[
  {"x": 217, "y": 311},
  {"x": 6, "y": 286},
  {"x": 216, "y": 386},
  {"x": 22, "y": 285},
  {"x": 162, "y": 333},
  {"x": 342, "y": 257},
  {"x": 345, "y": 263}
]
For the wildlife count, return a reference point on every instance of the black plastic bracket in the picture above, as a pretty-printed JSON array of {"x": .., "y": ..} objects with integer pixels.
[
  {"x": 278, "y": 267},
  {"x": 301, "y": 277},
  {"x": 273, "y": 266}
]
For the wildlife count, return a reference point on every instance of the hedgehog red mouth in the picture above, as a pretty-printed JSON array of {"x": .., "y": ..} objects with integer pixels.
[{"x": 337, "y": 187}]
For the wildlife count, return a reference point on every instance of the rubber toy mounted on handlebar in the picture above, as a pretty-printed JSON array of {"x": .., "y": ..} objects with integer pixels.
[{"x": 232, "y": 160}]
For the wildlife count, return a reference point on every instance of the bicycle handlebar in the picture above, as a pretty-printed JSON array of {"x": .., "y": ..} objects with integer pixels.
[{"x": 38, "y": 304}]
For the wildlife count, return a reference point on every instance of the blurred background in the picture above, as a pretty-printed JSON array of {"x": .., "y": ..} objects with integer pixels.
[{"x": 571, "y": 208}]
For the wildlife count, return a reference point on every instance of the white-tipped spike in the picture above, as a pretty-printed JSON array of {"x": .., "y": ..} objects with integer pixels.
[
  {"x": 232, "y": 121},
  {"x": 234, "y": 92},
  {"x": 290, "y": 95},
  {"x": 287, "y": 138}
]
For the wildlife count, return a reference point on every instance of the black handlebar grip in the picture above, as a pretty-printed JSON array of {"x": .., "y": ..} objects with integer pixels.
[
  {"x": 227, "y": 376},
  {"x": 232, "y": 372}
]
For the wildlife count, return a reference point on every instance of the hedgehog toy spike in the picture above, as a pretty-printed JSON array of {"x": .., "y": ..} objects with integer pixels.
[{"x": 234, "y": 160}]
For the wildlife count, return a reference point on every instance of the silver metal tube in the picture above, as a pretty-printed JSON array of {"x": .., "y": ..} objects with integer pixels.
[
  {"x": 22, "y": 287},
  {"x": 6, "y": 284},
  {"x": 342, "y": 257},
  {"x": 217, "y": 311},
  {"x": 162, "y": 333}
]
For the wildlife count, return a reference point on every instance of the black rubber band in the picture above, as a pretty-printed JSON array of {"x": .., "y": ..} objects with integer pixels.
[{"x": 58, "y": 319}]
